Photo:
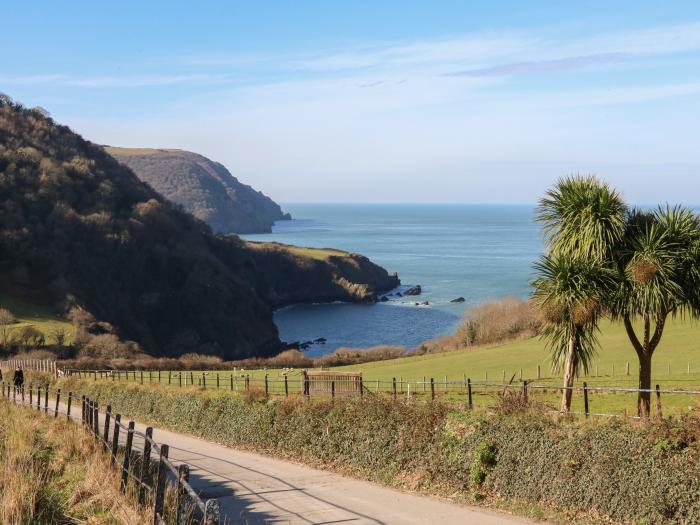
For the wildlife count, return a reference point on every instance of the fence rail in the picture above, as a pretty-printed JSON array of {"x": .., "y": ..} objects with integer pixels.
[{"x": 149, "y": 476}]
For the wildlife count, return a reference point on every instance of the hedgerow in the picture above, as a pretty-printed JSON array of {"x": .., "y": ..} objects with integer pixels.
[{"x": 616, "y": 470}]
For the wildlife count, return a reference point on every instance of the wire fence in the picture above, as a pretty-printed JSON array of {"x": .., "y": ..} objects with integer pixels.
[
  {"x": 147, "y": 469},
  {"x": 589, "y": 400}
]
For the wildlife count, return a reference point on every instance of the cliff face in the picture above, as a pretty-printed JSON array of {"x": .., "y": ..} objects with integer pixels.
[
  {"x": 79, "y": 228},
  {"x": 204, "y": 188}
]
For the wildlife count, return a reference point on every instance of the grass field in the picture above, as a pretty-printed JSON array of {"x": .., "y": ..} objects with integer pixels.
[
  {"x": 313, "y": 253},
  {"x": 678, "y": 353},
  {"x": 41, "y": 318}
]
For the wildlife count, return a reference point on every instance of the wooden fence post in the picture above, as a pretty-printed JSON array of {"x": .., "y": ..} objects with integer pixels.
[
  {"x": 170, "y": 375},
  {"x": 658, "y": 402},
  {"x": 115, "y": 441},
  {"x": 46, "y": 400},
  {"x": 204, "y": 380},
  {"x": 332, "y": 388},
  {"x": 96, "y": 420},
  {"x": 286, "y": 386},
  {"x": 159, "y": 497},
  {"x": 525, "y": 391},
  {"x": 393, "y": 387},
  {"x": 38, "y": 397},
  {"x": 217, "y": 380},
  {"x": 266, "y": 386},
  {"x": 469, "y": 392},
  {"x": 585, "y": 398},
  {"x": 31, "y": 395},
  {"x": 127, "y": 457},
  {"x": 145, "y": 464},
  {"x": 108, "y": 414},
  {"x": 432, "y": 388},
  {"x": 58, "y": 400},
  {"x": 230, "y": 378},
  {"x": 183, "y": 503},
  {"x": 82, "y": 411},
  {"x": 70, "y": 401}
]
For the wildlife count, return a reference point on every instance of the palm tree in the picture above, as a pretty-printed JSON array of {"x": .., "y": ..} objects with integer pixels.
[
  {"x": 658, "y": 267},
  {"x": 583, "y": 221},
  {"x": 570, "y": 293}
]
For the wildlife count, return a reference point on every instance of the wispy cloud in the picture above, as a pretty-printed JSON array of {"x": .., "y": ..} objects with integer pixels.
[{"x": 539, "y": 66}]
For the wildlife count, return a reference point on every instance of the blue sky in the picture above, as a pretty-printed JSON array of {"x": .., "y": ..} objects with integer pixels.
[{"x": 379, "y": 101}]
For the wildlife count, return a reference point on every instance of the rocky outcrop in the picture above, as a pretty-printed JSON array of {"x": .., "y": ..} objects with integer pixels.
[
  {"x": 204, "y": 188},
  {"x": 458, "y": 300},
  {"x": 414, "y": 290}
]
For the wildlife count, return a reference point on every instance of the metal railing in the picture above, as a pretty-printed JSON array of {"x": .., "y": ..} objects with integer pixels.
[{"x": 133, "y": 467}]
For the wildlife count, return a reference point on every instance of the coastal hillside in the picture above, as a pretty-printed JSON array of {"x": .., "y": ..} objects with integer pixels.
[
  {"x": 204, "y": 188},
  {"x": 79, "y": 229}
]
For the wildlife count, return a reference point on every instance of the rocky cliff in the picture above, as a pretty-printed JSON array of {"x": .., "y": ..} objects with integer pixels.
[{"x": 204, "y": 188}]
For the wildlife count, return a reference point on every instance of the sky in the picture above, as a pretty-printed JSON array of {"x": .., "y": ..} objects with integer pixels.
[{"x": 374, "y": 101}]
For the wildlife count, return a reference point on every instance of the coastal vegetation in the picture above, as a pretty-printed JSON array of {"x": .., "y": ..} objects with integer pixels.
[{"x": 80, "y": 231}]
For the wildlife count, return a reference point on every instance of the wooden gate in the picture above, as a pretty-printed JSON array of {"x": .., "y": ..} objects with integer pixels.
[{"x": 317, "y": 383}]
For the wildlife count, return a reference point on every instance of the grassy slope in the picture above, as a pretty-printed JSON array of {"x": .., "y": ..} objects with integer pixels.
[
  {"x": 63, "y": 476},
  {"x": 314, "y": 253},
  {"x": 40, "y": 317}
]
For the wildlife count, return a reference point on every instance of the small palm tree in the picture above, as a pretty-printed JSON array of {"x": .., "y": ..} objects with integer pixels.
[
  {"x": 583, "y": 221},
  {"x": 658, "y": 267},
  {"x": 570, "y": 293}
]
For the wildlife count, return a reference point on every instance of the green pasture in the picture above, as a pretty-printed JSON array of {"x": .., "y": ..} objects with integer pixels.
[{"x": 40, "y": 317}]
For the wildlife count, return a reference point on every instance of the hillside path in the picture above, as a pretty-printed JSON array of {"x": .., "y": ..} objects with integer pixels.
[{"x": 256, "y": 489}]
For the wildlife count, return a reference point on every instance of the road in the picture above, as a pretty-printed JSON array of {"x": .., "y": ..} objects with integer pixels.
[{"x": 255, "y": 489}]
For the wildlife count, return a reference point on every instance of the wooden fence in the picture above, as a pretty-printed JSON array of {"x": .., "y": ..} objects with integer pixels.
[
  {"x": 331, "y": 383},
  {"x": 37, "y": 365},
  {"x": 136, "y": 467}
]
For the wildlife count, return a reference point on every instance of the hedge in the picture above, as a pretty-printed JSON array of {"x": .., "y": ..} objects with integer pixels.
[{"x": 611, "y": 470}]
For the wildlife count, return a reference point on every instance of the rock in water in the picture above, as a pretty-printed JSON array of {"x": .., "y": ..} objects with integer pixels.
[
  {"x": 458, "y": 300},
  {"x": 414, "y": 290}
]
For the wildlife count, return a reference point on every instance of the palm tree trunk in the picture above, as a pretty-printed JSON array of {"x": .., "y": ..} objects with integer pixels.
[
  {"x": 644, "y": 398},
  {"x": 569, "y": 366}
]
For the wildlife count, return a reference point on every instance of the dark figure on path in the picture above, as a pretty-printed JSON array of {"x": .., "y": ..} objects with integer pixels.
[{"x": 19, "y": 378}]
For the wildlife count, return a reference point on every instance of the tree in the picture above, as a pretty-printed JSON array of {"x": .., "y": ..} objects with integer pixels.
[
  {"x": 658, "y": 270},
  {"x": 583, "y": 221},
  {"x": 570, "y": 293}
]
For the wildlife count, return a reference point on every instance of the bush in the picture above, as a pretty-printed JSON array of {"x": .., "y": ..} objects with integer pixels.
[{"x": 350, "y": 356}]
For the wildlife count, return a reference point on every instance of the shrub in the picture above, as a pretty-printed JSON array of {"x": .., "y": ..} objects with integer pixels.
[{"x": 349, "y": 356}]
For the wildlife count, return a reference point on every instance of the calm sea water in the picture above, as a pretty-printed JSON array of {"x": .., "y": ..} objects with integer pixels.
[{"x": 473, "y": 251}]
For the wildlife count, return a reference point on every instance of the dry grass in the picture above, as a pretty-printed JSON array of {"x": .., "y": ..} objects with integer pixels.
[{"x": 51, "y": 471}]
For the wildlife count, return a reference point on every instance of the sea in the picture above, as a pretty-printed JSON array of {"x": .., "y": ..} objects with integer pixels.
[{"x": 477, "y": 252}]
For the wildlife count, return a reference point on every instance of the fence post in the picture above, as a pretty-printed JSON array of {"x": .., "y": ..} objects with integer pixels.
[
  {"x": 393, "y": 387},
  {"x": 182, "y": 501},
  {"x": 230, "y": 378},
  {"x": 204, "y": 380},
  {"x": 658, "y": 402},
  {"x": 191, "y": 379},
  {"x": 108, "y": 414},
  {"x": 31, "y": 396},
  {"x": 333, "y": 389},
  {"x": 70, "y": 400},
  {"x": 306, "y": 383},
  {"x": 170, "y": 375},
  {"x": 585, "y": 398},
  {"x": 82, "y": 410},
  {"x": 538, "y": 372},
  {"x": 58, "y": 400},
  {"x": 469, "y": 392},
  {"x": 211, "y": 512},
  {"x": 286, "y": 386},
  {"x": 96, "y": 420},
  {"x": 160, "y": 486},
  {"x": 266, "y": 386},
  {"x": 217, "y": 380},
  {"x": 38, "y": 397},
  {"x": 432, "y": 388},
  {"x": 525, "y": 390},
  {"x": 46, "y": 400},
  {"x": 145, "y": 464},
  {"x": 141, "y": 374},
  {"x": 127, "y": 457},
  {"x": 115, "y": 440}
]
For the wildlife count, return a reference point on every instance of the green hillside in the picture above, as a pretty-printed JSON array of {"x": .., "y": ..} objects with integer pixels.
[{"x": 40, "y": 317}]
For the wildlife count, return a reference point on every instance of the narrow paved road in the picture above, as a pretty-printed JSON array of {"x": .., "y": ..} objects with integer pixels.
[{"x": 255, "y": 489}]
